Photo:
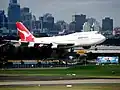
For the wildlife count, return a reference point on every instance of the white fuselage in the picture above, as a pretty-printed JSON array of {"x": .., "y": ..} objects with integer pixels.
[{"x": 78, "y": 39}]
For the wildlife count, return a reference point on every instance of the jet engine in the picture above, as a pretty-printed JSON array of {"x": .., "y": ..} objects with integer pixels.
[{"x": 86, "y": 47}]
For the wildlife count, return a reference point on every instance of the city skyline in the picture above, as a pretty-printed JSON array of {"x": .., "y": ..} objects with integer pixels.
[{"x": 64, "y": 9}]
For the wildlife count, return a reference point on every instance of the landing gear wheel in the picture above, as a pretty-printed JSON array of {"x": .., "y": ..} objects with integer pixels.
[
  {"x": 95, "y": 45},
  {"x": 96, "y": 48},
  {"x": 71, "y": 49}
]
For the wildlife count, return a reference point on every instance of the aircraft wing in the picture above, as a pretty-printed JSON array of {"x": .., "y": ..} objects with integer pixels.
[
  {"x": 39, "y": 44},
  {"x": 16, "y": 43},
  {"x": 63, "y": 45}
]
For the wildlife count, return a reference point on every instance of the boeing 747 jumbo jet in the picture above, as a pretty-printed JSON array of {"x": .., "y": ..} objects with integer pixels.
[{"x": 78, "y": 39}]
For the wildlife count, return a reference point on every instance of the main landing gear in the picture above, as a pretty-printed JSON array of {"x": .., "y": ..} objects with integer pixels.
[{"x": 71, "y": 49}]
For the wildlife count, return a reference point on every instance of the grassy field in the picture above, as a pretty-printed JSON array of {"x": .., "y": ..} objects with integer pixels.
[
  {"x": 63, "y": 87},
  {"x": 99, "y": 71}
]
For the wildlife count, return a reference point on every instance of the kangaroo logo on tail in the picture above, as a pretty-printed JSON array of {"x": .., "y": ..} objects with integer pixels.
[{"x": 24, "y": 33}]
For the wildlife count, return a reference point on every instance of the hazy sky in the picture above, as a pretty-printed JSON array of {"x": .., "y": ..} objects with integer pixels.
[{"x": 64, "y": 9}]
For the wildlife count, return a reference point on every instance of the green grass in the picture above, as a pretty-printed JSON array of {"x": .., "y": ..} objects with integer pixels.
[
  {"x": 89, "y": 71},
  {"x": 63, "y": 87}
]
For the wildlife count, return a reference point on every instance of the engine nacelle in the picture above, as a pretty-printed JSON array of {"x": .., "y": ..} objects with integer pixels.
[
  {"x": 54, "y": 45},
  {"x": 86, "y": 47},
  {"x": 31, "y": 44}
]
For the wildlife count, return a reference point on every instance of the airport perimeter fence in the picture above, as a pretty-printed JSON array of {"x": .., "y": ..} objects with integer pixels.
[{"x": 36, "y": 64}]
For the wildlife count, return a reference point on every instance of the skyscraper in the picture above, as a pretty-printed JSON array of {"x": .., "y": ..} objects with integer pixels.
[
  {"x": 86, "y": 27},
  {"x": 13, "y": 1},
  {"x": 72, "y": 26},
  {"x": 47, "y": 22},
  {"x": 96, "y": 27},
  {"x": 13, "y": 14},
  {"x": 91, "y": 21},
  {"x": 94, "y": 24},
  {"x": 107, "y": 24},
  {"x": 26, "y": 17},
  {"x": 3, "y": 19},
  {"x": 79, "y": 22}
]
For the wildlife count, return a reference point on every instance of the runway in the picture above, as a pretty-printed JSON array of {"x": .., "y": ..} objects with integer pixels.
[{"x": 60, "y": 82}]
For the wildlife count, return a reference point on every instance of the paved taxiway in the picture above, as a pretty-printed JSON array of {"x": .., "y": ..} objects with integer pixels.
[{"x": 61, "y": 82}]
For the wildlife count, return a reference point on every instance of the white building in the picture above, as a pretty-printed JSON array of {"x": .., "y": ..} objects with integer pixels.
[
  {"x": 95, "y": 27},
  {"x": 86, "y": 27}
]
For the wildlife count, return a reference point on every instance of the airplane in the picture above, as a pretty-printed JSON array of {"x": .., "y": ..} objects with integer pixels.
[{"x": 77, "y": 39}]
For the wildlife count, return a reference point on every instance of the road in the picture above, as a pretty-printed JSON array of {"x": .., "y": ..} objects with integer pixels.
[{"x": 61, "y": 82}]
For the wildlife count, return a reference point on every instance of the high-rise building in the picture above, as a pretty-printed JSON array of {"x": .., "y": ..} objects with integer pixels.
[
  {"x": 26, "y": 17},
  {"x": 86, "y": 27},
  {"x": 95, "y": 27},
  {"x": 37, "y": 25},
  {"x": 24, "y": 10},
  {"x": 13, "y": 14},
  {"x": 61, "y": 25},
  {"x": 3, "y": 19},
  {"x": 107, "y": 26},
  {"x": 47, "y": 22},
  {"x": 13, "y": 1},
  {"x": 91, "y": 21},
  {"x": 94, "y": 24},
  {"x": 72, "y": 26},
  {"x": 33, "y": 18},
  {"x": 41, "y": 23},
  {"x": 79, "y": 22}
]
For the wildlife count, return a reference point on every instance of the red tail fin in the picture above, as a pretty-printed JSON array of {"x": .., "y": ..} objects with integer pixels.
[{"x": 24, "y": 33}]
